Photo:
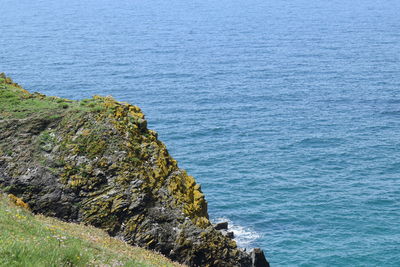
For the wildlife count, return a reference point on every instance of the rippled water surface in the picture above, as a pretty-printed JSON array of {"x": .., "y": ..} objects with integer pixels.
[{"x": 287, "y": 112}]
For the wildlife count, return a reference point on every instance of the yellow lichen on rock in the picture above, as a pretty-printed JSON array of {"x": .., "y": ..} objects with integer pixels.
[
  {"x": 130, "y": 121},
  {"x": 18, "y": 201},
  {"x": 185, "y": 190}
]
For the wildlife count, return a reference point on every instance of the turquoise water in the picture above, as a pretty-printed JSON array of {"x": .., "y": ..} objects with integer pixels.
[{"x": 287, "y": 112}]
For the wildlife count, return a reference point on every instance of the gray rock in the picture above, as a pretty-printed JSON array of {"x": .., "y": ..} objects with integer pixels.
[
  {"x": 258, "y": 258},
  {"x": 221, "y": 226},
  {"x": 228, "y": 234}
]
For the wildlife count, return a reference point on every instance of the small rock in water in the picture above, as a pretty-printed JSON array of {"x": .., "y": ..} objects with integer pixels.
[
  {"x": 221, "y": 226},
  {"x": 258, "y": 258}
]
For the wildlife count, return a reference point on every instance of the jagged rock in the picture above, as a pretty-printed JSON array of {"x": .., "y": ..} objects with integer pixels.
[
  {"x": 221, "y": 226},
  {"x": 94, "y": 161},
  {"x": 231, "y": 235},
  {"x": 258, "y": 258}
]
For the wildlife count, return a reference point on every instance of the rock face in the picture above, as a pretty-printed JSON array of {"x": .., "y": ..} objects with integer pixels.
[
  {"x": 258, "y": 258},
  {"x": 95, "y": 161}
]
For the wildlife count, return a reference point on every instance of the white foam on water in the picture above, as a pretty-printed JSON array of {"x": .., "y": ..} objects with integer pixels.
[{"x": 244, "y": 236}]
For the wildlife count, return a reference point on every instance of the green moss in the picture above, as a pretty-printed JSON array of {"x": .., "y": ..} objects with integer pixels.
[
  {"x": 79, "y": 177},
  {"x": 46, "y": 140}
]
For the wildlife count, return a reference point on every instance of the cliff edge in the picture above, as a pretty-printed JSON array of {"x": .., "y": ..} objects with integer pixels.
[{"x": 95, "y": 161}]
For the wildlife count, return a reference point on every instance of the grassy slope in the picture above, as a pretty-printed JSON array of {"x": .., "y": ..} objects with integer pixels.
[{"x": 35, "y": 240}]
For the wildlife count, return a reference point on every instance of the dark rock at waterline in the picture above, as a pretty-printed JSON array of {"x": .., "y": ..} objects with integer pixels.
[
  {"x": 258, "y": 258},
  {"x": 221, "y": 226},
  {"x": 231, "y": 235}
]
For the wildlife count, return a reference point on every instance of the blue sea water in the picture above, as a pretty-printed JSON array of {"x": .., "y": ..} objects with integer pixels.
[{"x": 287, "y": 112}]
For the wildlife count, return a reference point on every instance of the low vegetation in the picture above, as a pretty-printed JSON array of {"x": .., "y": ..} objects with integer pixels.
[
  {"x": 15, "y": 102},
  {"x": 35, "y": 240}
]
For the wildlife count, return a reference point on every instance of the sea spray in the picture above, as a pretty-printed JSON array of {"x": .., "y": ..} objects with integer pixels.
[{"x": 245, "y": 237}]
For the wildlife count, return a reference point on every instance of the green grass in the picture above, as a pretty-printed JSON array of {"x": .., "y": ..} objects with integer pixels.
[
  {"x": 18, "y": 103},
  {"x": 35, "y": 240},
  {"x": 13, "y": 103}
]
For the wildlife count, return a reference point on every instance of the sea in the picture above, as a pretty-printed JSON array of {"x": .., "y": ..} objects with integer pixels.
[{"x": 287, "y": 112}]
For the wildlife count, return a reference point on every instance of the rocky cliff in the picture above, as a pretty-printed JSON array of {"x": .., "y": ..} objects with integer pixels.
[{"x": 95, "y": 161}]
